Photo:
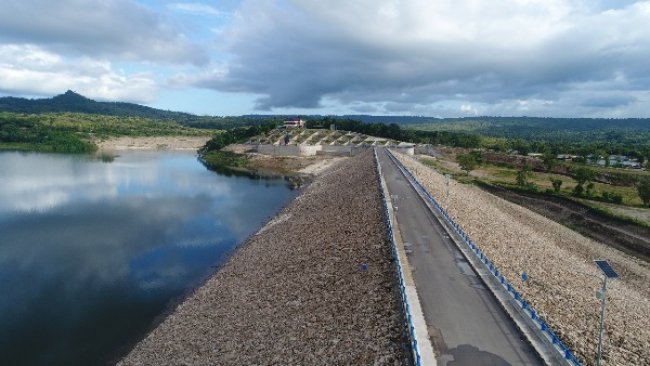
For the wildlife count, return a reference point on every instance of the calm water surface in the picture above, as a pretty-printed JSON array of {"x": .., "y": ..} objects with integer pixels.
[{"x": 92, "y": 252}]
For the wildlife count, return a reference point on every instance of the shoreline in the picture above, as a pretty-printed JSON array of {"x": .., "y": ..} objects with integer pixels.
[
  {"x": 296, "y": 291},
  {"x": 119, "y": 354},
  {"x": 182, "y": 143}
]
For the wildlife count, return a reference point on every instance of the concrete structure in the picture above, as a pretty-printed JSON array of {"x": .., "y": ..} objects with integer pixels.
[
  {"x": 288, "y": 150},
  {"x": 311, "y": 150},
  {"x": 294, "y": 123},
  {"x": 408, "y": 149}
]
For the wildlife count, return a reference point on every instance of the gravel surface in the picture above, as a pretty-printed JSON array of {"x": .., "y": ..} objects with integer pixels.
[
  {"x": 298, "y": 292},
  {"x": 559, "y": 261}
]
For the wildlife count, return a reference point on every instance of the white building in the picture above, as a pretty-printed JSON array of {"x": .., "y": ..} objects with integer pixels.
[{"x": 294, "y": 123}]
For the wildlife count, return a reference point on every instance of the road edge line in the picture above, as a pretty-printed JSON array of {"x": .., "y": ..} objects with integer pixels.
[{"x": 423, "y": 352}]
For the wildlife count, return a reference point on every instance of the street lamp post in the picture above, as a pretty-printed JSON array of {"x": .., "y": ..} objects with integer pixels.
[
  {"x": 609, "y": 272},
  {"x": 447, "y": 176}
]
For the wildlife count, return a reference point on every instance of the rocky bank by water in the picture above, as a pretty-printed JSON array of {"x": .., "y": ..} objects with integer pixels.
[{"x": 316, "y": 286}]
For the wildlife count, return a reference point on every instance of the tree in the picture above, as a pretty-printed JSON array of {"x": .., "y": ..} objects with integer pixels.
[
  {"x": 557, "y": 184},
  {"x": 522, "y": 176},
  {"x": 583, "y": 175},
  {"x": 467, "y": 162},
  {"x": 550, "y": 160},
  {"x": 578, "y": 190},
  {"x": 643, "y": 188},
  {"x": 590, "y": 189}
]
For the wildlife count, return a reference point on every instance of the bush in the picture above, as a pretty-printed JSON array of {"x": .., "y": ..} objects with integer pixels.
[
  {"x": 467, "y": 162},
  {"x": 612, "y": 197},
  {"x": 557, "y": 184},
  {"x": 643, "y": 188},
  {"x": 578, "y": 190}
]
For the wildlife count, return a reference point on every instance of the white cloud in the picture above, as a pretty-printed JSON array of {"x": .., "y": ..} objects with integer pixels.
[
  {"x": 120, "y": 29},
  {"x": 29, "y": 69},
  {"x": 195, "y": 8},
  {"x": 468, "y": 109},
  {"x": 418, "y": 53}
]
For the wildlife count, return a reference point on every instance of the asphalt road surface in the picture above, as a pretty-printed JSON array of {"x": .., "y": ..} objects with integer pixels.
[{"x": 466, "y": 324}]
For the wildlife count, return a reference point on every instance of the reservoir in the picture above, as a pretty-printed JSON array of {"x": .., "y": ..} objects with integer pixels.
[{"x": 93, "y": 252}]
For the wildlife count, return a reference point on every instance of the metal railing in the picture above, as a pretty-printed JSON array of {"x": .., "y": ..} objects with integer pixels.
[
  {"x": 564, "y": 350},
  {"x": 417, "y": 355}
]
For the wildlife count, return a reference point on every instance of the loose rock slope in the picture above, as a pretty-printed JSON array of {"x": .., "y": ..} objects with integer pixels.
[
  {"x": 316, "y": 286},
  {"x": 559, "y": 261}
]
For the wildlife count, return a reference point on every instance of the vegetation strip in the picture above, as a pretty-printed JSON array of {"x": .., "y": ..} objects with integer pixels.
[{"x": 317, "y": 287}]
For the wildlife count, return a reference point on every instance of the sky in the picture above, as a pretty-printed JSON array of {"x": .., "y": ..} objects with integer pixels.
[{"x": 439, "y": 58}]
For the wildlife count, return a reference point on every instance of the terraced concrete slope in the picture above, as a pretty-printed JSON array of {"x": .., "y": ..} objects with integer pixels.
[
  {"x": 319, "y": 137},
  {"x": 315, "y": 287}
]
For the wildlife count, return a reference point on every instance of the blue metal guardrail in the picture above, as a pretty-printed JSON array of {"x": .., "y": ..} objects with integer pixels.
[
  {"x": 525, "y": 306},
  {"x": 405, "y": 305}
]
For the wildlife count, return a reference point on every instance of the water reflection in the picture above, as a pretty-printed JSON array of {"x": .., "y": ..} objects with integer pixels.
[
  {"x": 91, "y": 252},
  {"x": 293, "y": 181}
]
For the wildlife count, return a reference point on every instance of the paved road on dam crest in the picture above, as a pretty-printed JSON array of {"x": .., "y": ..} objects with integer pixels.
[{"x": 466, "y": 324}]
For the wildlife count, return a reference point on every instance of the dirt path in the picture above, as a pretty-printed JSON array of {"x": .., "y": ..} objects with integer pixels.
[
  {"x": 320, "y": 166},
  {"x": 642, "y": 214},
  {"x": 316, "y": 286}
]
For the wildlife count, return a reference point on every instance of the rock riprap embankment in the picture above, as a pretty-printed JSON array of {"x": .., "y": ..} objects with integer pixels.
[
  {"x": 559, "y": 262},
  {"x": 315, "y": 287}
]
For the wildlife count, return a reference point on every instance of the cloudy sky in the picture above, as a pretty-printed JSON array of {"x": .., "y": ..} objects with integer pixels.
[{"x": 411, "y": 57}]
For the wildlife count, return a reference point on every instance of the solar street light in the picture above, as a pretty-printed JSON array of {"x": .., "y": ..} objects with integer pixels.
[
  {"x": 601, "y": 294},
  {"x": 447, "y": 177}
]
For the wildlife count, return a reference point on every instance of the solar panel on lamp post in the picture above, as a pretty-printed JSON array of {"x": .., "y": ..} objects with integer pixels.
[
  {"x": 447, "y": 177},
  {"x": 609, "y": 272}
]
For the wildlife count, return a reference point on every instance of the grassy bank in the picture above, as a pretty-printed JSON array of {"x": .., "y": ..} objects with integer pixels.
[
  {"x": 213, "y": 155},
  {"x": 75, "y": 132},
  {"x": 29, "y": 135},
  {"x": 224, "y": 159}
]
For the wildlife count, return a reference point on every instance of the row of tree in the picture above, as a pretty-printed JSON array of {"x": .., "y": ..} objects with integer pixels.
[
  {"x": 583, "y": 176},
  {"x": 395, "y": 132},
  {"x": 235, "y": 135}
]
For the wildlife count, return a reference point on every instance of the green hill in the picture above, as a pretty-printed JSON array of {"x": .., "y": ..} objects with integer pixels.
[{"x": 71, "y": 102}]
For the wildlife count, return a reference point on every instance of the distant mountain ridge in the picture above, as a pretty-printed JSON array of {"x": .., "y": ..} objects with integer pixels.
[
  {"x": 77, "y": 103},
  {"x": 495, "y": 126},
  {"x": 71, "y": 102}
]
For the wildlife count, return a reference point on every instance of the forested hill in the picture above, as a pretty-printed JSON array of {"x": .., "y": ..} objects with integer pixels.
[
  {"x": 511, "y": 127},
  {"x": 512, "y": 124},
  {"x": 625, "y": 131},
  {"x": 75, "y": 103}
]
